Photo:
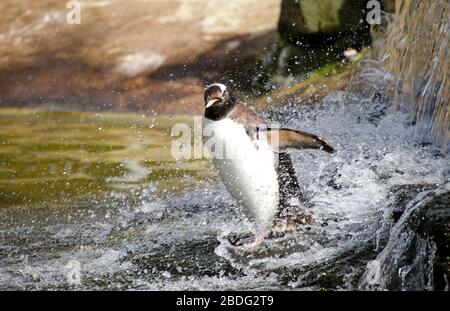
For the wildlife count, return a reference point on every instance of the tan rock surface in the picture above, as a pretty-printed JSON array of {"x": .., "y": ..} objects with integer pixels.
[{"x": 123, "y": 53}]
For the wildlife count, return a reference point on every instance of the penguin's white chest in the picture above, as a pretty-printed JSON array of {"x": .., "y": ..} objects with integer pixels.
[{"x": 248, "y": 172}]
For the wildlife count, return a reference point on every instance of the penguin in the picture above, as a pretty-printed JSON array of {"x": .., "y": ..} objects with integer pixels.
[{"x": 252, "y": 160}]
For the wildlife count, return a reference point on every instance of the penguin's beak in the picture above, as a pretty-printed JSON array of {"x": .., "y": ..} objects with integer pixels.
[{"x": 211, "y": 102}]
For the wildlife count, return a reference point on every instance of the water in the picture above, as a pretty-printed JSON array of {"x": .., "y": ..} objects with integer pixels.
[
  {"x": 143, "y": 221},
  {"x": 415, "y": 48}
]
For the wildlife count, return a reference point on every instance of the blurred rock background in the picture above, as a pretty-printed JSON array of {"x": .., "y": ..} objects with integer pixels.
[
  {"x": 125, "y": 54},
  {"x": 157, "y": 56}
]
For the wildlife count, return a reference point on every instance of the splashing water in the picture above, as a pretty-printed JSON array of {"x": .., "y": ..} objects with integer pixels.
[{"x": 368, "y": 201}]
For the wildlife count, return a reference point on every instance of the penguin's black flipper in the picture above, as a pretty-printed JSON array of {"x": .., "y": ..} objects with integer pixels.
[{"x": 281, "y": 139}]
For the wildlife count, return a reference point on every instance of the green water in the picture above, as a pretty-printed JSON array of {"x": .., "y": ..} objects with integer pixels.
[
  {"x": 103, "y": 191},
  {"x": 49, "y": 159}
]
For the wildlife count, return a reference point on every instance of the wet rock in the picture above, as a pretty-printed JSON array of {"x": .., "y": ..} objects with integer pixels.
[
  {"x": 333, "y": 274},
  {"x": 123, "y": 55},
  {"x": 314, "y": 33},
  {"x": 436, "y": 227},
  {"x": 414, "y": 242},
  {"x": 304, "y": 17}
]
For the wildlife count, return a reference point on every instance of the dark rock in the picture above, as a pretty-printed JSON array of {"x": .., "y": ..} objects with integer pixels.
[
  {"x": 415, "y": 240},
  {"x": 301, "y": 18},
  {"x": 436, "y": 227},
  {"x": 316, "y": 32}
]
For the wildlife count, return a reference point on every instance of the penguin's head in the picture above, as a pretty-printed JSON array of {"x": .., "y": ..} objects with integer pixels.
[{"x": 218, "y": 101}]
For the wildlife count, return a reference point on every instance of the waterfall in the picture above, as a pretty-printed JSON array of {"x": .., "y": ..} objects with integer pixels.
[{"x": 416, "y": 50}]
